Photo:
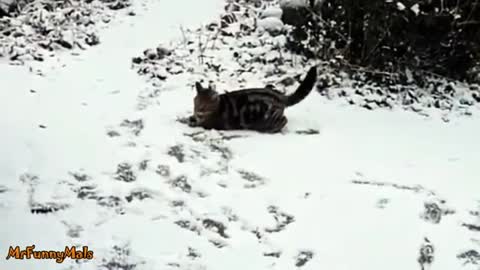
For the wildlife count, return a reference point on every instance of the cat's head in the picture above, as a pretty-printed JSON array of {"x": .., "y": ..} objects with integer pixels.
[{"x": 205, "y": 103}]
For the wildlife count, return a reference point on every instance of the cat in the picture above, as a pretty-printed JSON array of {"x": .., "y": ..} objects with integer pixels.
[{"x": 258, "y": 109}]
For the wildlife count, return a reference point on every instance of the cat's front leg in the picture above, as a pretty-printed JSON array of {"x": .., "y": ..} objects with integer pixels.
[{"x": 192, "y": 121}]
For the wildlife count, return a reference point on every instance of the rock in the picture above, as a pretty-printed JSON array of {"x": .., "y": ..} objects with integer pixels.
[
  {"x": 287, "y": 81},
  {"x": 294, "y": 12},
  {"x": 65, "y": 44},
  {"x": 150, "y": 54},
  {"x": 137, "y": 60},
  {"x": 416, "y": 107},
  {"x": 175, "y": 69},
  {"x": 250, "y": 42},
  {"x": 360, "y": 91},
  {"x": 247, "y": 58},
  {"x": 300, "y": 4},
  {"x": 119, "y": 5},
  {"x": 6, "y": 7},
  {"x": 232, "y": 7},
  {"x": 160, "y": 73},
  {"x": 227, "y": 20},
  {"x": 272, "y": 56},
  {"x": 371, "y": 106},
  {"x": 272, "y": 25},
  {"x": 280, "y": 40},
  {"x": 373, "y": 98},
  {"x": 443, "y": 104},
  {"x": 162, "y": 52},
  {"x": 390, "y": 102},
  {"x": 271, "y": 12},
  {"x": 356, "y": 99},
  {"x": 92, "y": 39},
  {"x": 476, "y": 96},
  {"x": 68, "y": 38},
  {"x": 449, "y": 89},
  {"x": 427, "y": 101},
  {"x": 467, "y": 101},
  {"x": 258, "y": 51}
]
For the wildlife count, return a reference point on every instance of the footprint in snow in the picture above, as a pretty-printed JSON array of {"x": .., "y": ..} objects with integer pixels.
[
  {"x": 178, "y": 152},
  {"x": 139, "y": 194},
  {"x": 283, "y": 219},
  {"x": 254, "y": 180},
  {"x": 382, "y": 203},
  {"x": 308, "y": 132},
  {"x": 163, "y": 170},
  {"x": 427, "y": 254},
  {"x": 134, "y": 126},
  {"x": 125, "y": 173},
  {"x": 434, "y": 211}
]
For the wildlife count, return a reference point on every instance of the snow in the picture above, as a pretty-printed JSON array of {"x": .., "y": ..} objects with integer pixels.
[
  {"x": 351, "y": 193},
  {"x": 272, "y": 12},
  {"x": 416, "y": 9},
  {"x": 271, "y": 24}
]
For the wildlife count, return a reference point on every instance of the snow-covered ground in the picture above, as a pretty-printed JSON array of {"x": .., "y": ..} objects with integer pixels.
[{"x": 341, "y": 188}]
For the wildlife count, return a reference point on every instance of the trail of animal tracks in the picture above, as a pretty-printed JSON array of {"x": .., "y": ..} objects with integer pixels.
[{"x": 88, "y": 160}]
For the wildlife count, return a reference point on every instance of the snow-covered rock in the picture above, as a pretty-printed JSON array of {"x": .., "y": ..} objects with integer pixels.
[
  {"x": 294, "y": 11},
  {"x": 271, "y": 11},
  {"x": 299, "y": 3},
  {"x": 5, "y": 6},
  {"x": 272, "y": 25}
]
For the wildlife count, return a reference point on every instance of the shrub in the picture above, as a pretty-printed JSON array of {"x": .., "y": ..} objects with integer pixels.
[{"x": 431, "y": 36}]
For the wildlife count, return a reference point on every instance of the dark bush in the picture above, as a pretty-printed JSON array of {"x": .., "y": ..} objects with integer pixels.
[{"x": 431, "y": 36}]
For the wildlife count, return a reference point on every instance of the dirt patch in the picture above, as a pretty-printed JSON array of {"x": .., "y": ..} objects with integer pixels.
[{"x": 177, "y": 151}]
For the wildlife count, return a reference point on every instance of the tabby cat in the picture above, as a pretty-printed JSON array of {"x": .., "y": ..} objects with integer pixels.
[{"x": 259, "y": 109}]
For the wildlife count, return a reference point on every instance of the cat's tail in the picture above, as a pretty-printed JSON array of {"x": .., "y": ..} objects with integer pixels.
[{"x": 304, "y": 89}]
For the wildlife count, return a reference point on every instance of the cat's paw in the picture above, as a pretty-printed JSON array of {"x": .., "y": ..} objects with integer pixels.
[{"x": 192, "y": 121}]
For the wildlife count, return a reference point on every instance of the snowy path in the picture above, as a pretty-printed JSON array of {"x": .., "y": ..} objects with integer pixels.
[{"x": 155, "y": 194}]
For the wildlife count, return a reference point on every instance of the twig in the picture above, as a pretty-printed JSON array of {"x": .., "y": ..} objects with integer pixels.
[
  {"x": 314, "y": 14},
  {"x": 185, "y": 40}
]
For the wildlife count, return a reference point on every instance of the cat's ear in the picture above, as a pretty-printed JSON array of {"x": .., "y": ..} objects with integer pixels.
[{"x": 199, "y": 87}]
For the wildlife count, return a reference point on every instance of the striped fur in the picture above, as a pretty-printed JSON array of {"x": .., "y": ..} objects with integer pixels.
[{"x": 260, "y": 109}]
